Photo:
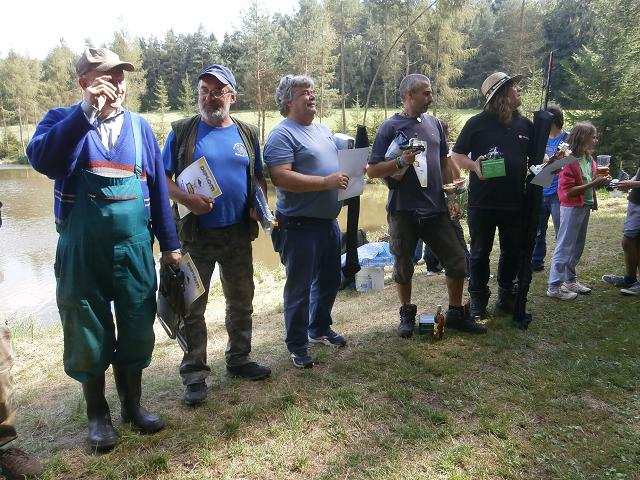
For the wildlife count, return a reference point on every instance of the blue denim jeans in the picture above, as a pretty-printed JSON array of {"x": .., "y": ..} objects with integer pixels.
[
  {"x": 550, "y": 207},
  {"x": 309, "y": 249}
]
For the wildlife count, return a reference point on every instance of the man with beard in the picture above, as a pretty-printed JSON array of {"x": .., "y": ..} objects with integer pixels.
[
  {"x": 218, "y": 232},
  {"x": 416, "y": 206},
  {"x": 109, "y": 188},
  {"x": 501, "y": 135}
]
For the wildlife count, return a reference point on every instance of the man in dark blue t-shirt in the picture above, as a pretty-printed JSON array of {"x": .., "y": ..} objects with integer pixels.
[
  {"x": 416, "y": 204},
  {"x": 220, "y": 230}
]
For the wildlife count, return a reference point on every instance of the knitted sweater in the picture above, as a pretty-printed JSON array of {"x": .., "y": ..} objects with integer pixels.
[{"x": 65, "y": 141}]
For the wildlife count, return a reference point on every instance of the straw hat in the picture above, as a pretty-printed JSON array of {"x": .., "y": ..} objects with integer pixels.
[{"x": 495, "y": 81}]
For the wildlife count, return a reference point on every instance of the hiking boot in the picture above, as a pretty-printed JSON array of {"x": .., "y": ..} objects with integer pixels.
[
  {"x": 249, "y": 371},
  {"x": 301, "y": 361},
  {"x": 129, "y": 386},
  {"x": 407, "y": 320},
  {"x": 577, "y": 287},
  {"x": 457, "y": 320},
  {"x": 506, "y": 300},
  {"x": 331, "y": 339},
  {"x": 101, "y": 435},
  {"x": 632, "y": 290},
  {"x": 18, "y": 464},
  {"x": 478, "y": 307},
  {"x": 560, "y": 293},
  {"x": 620, "y": 281},
  {"x": 195, "y": 394}
]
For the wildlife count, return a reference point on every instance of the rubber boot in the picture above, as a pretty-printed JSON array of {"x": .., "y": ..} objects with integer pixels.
[
  {"x": 407, "y": 320},
  {"x": 101, "y": 434},
  {"x": 506, "y": 300},
  {"x": 129, "y": 385}
]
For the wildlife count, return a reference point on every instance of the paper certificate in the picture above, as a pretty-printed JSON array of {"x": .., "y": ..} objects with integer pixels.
[
  {"x": 544, "y": 177},
  {"x": 193, "y": 287},
  {"x": 197, "y": 178},
  {"x": 353, "y": 162}
]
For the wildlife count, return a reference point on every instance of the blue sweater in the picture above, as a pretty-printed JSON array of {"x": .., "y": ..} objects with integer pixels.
[{"x": 65, "y": 141}]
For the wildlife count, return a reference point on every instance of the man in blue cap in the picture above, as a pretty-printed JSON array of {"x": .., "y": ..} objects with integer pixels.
[{"x": 219, "y": 231}]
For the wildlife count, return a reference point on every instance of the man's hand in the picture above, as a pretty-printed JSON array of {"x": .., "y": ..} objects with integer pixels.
[
  {"x": 600, "y": 181},
  {"x": 198, "y": 204},
  {"x": 100, "y": 91},
  {"x": 409, "y": 156},
  {"x": 477, "y": 168},
  {"x": 171, "y": 258},
  {"x": 626, "y": 185},
  {"x": 335, "y": 181}
]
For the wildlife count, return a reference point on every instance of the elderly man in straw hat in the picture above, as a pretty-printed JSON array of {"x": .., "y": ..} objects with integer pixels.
[
  {"x": 494, "y": 146},
  {"x": 110, "y": 200}
]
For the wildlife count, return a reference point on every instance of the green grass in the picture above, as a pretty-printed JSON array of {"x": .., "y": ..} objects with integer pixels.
[{"x": 560, "y": 401}]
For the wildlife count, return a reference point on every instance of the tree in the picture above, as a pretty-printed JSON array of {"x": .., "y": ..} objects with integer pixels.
[
  {"x": 606, "y": 76},
  {"x": 60, "y": 86},
  {"x": 186, "y": 100},
  {"x": 129, "y": 50}
]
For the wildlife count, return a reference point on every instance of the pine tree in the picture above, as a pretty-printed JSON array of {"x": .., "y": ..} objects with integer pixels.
[{"x": 186, "y": 99}]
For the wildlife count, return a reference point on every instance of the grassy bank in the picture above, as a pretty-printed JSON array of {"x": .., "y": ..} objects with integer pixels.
[{"x": 560, "y": 401}]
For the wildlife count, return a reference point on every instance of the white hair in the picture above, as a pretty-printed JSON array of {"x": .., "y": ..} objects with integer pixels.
[
  {"x": 410, "y": 82},
  {"x": 284, "y": 91}
]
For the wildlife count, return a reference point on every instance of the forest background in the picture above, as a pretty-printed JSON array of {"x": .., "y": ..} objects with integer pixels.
[{"x": 341, "y": 43}]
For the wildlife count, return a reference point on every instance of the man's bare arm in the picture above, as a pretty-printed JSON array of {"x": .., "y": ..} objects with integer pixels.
[{"x": 284, "y": 177}]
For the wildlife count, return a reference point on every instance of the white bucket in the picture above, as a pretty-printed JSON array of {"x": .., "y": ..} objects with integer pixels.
[{"x": 370, "y": 279}]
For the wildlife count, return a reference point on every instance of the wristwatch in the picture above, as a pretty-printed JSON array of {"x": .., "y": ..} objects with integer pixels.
[{"x": 400, "y": 163}]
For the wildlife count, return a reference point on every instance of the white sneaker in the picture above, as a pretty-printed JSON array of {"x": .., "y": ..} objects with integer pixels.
[
  {"x": 577, "y": 287},
  {"x": 561, "y": 293}
]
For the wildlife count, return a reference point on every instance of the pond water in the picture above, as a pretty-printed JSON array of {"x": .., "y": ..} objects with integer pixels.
[{"x": 28, "y": 239}]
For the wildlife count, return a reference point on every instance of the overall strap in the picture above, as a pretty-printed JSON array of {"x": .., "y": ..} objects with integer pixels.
[{"x": 137, "y": 139}]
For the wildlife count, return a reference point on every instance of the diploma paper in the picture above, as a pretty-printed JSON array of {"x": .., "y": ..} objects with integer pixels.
[
  {"x": 197, "y": 178},
  {"x": 193, "y": 287},
  {"x": 353, "y": 162}
]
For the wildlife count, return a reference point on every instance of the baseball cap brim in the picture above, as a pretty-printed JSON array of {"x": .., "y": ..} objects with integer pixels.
[
  {"x": 502, "y": 83},
  {"x": 106, "y": 66},
  {"x": 217, "y": 75}
]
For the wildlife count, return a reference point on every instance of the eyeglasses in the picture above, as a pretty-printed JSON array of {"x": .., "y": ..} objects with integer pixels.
[
  {"x": 204, "y": 93},
  {"x": 307, "y": 93}
]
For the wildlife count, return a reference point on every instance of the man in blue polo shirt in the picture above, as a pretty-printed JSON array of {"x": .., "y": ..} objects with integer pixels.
[
  {"x": 219, "y": 231},
  {"x": 303, "y": 162}
]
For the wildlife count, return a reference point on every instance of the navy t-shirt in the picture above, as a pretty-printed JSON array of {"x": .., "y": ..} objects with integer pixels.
[
  {"x": 482, "y": 133},
  {"x": 227, "y": 157},
  {"x": 407, "y": 194},
  {"x": 311, "y": 150}
]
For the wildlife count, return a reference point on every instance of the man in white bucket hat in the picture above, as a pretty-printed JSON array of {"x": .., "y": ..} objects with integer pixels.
[{"x": 495, "y": 146}]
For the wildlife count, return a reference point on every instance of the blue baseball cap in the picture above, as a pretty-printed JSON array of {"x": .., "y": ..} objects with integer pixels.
[{"x": 221, "y": 72}]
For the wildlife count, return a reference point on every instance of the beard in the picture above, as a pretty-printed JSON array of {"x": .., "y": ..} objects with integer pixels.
[{"x": 213, "y": 114}]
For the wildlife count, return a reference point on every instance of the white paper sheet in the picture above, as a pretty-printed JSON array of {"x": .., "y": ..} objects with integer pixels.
[
  {"x": 353, "y": 162},
  {"x": 545, "y": 176},
  {"x": 197, "y": 178},
  {"x": 193, "y": 287}
]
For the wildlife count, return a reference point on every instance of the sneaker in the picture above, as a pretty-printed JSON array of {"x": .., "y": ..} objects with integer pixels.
[
  {"x": 18, "y": 464},
  {"x": 195, "y": 394},
  {"x": 631, "y": 290},
  {"x": 620, "y": 281},
  {"x": 458, "y": 320},
  {"x": 331, "y": 338},
  {"x": 577, "y": 287},
  {"x": 301, "y": 361},
  {"x": 249, "y": 371},
  {"x": 561, "y": 293}
]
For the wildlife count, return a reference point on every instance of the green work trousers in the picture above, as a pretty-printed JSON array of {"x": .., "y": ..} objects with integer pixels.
[{"x": 105, "y": 255}]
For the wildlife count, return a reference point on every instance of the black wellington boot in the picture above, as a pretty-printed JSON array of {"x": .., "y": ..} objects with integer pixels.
[
  {"x": 506, "y": 300},
  {"x": 407, "y": 320},
  {"x": 129, "y": 385},
  {"x": 102, "y": 436}
]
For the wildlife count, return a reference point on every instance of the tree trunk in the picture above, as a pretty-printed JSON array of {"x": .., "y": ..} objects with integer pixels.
[
  {"x": 4, "y": 127},
  {"x": 436, "y": 76},
  {"x": 521, "y": 46},
  {"x": 24, "y": 150},
  {"x": 342, "y": 94}
]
